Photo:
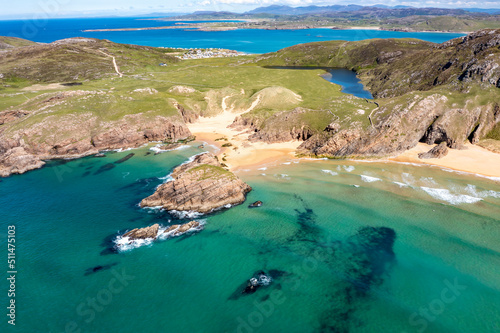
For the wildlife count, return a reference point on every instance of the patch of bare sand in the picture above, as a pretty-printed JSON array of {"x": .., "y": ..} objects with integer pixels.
[
  {"x": 39, "y": 87},
  {"x": 243, "y": 153},
  {"x": 473, "y": 159}
]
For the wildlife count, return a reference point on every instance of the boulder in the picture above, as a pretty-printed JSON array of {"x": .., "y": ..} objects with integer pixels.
[
  {"x": 438, "y": 151},
  {"x": 255, "y": 204}
]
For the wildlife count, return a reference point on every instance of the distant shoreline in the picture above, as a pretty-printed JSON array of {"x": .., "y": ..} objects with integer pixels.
[{"x": 203, "y": 27}]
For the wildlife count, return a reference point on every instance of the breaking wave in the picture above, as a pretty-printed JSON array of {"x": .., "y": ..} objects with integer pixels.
[
  {"x": 123, "y": 244},
  {"x": 330, "y": 172},
  {"x": 445, "y": 195},
  {"x": 369, "y": 179}
]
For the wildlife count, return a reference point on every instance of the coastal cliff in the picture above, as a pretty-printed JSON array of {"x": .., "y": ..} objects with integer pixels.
[
  {"x": 424, "y": 93},
  {"x": 200, "y": 186}
]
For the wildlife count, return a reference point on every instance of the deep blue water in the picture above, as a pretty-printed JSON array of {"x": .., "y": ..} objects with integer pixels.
[
  {"x": 250, "y": 40},
  {"x": 349, "y": 82}
]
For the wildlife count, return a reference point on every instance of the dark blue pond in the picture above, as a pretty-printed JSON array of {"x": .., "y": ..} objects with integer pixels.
[{"x": 349, "y": 82}]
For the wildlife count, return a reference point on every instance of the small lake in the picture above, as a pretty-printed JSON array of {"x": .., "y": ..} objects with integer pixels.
[
  {"x": 349, "y": 82},
  {"x": 345, "y": 78}
]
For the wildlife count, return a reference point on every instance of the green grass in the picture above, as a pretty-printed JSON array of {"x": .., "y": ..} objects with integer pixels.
[{"x": 207, "y": 171}]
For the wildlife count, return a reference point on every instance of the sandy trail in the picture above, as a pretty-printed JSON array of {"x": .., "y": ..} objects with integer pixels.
[{"x": 117, "y": 69}]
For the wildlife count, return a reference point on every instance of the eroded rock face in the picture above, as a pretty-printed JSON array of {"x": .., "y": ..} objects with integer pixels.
[
  {"x": 398, "y": 127},
  {"x": 80, "y": 135},
  {"x": 143, "y": 233},
  {"x": 439, "y": 151},
  {"x": 199, "y": 186}
]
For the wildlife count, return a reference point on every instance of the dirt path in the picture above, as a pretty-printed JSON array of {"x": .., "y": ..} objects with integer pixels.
[{"x": 117, "y": 69}]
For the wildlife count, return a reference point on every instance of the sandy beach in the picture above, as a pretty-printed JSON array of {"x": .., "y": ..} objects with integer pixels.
[
  {"x": 473, "y": 159},
  {"x": 245, "y": 154},
  {"x": 242, "y": 153}
]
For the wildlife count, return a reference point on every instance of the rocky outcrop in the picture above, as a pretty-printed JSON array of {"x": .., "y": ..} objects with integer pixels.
[
  {"x": 400, "y": 126},
  {"x": 16, "y": 160},
  {"x": 200, "y": 186},
  {"x": 281, "y": 127},
  {"x": 439, "y": 151},
  {"x": 143, "y": 233},
  {"x": 179, "y": 229},
  {"x": 75, "y": 136}
]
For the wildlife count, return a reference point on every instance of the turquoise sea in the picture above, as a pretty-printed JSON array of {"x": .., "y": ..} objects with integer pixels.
[
  {"x": 433, "y": 267},
  {"x": 250, "y": 40}
]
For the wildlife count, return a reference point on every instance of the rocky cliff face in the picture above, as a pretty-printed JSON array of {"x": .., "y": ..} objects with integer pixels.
[
  {"x": 76, "y": 135},
  {"x": 199, "y": 186},
  {"x": 281, "y": 127},
  {"x": 400, "y": 125}
]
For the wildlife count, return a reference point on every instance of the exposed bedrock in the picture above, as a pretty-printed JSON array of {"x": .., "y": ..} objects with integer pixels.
[
  {"x": 199, "y": 186},
  {"x": 398, "y": 127},
  {"x": 77, "y": 136}
]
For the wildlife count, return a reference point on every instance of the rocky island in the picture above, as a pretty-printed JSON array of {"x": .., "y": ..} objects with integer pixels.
[{"x": 201, "y": 186}]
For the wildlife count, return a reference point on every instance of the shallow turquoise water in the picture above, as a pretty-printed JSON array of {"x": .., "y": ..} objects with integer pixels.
[{"x": 66, "y": 216}]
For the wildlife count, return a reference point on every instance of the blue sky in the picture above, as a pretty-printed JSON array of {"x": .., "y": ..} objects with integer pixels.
[{"x": 65, "y": 8}]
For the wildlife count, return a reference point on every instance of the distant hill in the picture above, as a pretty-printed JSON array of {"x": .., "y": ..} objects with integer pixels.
[
  {"x": 391, "y": 10},
  {"x": 287, "y": 10},
  {"x": 13, "y": 42}
]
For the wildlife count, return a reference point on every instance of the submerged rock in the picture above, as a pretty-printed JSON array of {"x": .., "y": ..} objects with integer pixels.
[
  {"x": 255, "y": 204},
  {"x": 126, "y": 158},
  {"x": 143, "y": 233},
  {"x": 199, "y": 186},
  {"x": 439, "y": 151},
  {"x": 258, "y": 280}
]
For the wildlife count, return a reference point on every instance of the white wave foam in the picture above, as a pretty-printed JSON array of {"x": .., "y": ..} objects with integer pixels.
[
  {"x": 262, "y": 169},
  {"x": 428, "y": 180},
  {"x": 157, "y": 149},
  {"x": 286, "y": 163},
  {"x": 401, "y": 184},
  {"x": 445, "y": 195},
  {"x": 349, "y": 168},
  {"x": 262, "y": 174},
  {"x": 369, "y": 179},
  {"x": 472, "y": 190},
  {"x": 162, "y": 235},
  {"x": 407, "y": 178},
  {"x": 355, "y": 185},
  {"x": 154, "y": 209},
  {"x": 282, "y": 176},
  {"x": 183, "y": 214},
  {"x": 167, "y": 178},
  {"x": 330, "y": 172},
  {"x": 126, "y": 244},
  {"x": 123, "y": 244}
]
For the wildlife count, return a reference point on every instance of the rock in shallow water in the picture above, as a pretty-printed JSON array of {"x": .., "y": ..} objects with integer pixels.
[
  {"x": 255, "y": 204},
  {"x": 179, "y": 229},
  {"x": 199, "y": 186},
  {"x": 143, "y": 233}
]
